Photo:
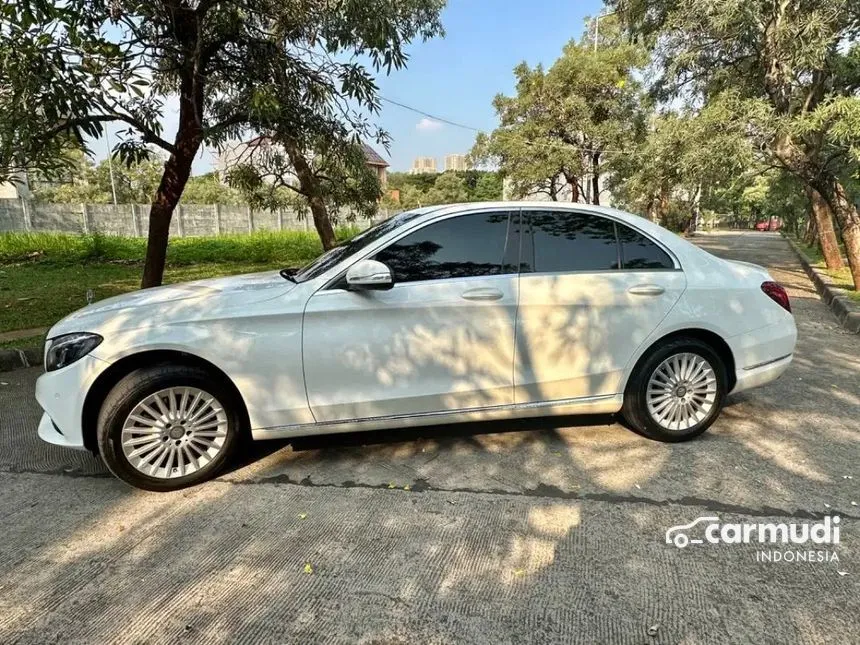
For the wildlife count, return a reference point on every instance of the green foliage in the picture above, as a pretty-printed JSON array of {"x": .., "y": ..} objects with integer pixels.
[
  {"x": 564, "y": 122},
  {"x": 449, "y": 187},
  {"x": 273, "y": 175},
  {"x": 89, "y": 183},
  {"x": 209, "y": 189}
]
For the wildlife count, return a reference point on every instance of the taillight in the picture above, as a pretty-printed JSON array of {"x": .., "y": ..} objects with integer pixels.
[{"x": 776, "y": 293}]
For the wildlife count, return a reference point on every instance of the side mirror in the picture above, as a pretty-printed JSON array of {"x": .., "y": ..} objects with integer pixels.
[{"x": 368, "y": 274}]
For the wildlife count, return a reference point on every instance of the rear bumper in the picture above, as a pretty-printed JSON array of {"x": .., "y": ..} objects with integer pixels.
[
  {"x": 750, "y": 377},
  {"x": 763, "y": 355}
]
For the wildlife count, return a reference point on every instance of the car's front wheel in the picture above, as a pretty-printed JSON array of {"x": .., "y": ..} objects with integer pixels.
[
  {"x": 168, "y": 426},
  {"x": 677, "y": 391}
]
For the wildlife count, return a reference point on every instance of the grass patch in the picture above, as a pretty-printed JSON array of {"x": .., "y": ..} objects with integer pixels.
[
  {"x": 841, "y": 277},
  {"x": 45, "y": 276},
  {"x": 288, "y": 248},
  {"x": 21, "y": 343}
]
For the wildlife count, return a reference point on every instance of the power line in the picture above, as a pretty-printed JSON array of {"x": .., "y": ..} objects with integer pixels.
[
  {"x": 468, "y": 127},
  {"x": 428, "y": 115}
]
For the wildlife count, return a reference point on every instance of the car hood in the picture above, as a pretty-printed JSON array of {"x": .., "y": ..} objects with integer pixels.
[{"x": 176, "y": 302}]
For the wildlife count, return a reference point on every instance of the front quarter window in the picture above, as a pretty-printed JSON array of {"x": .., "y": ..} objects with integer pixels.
[{"x": 342, "y": 251}]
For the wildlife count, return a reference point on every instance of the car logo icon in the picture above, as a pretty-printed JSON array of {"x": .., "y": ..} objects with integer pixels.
[{"x": 677, "y": 535}]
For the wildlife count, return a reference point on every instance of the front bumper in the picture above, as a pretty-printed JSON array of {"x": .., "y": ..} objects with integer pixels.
[{"x": 61, "y": 395}]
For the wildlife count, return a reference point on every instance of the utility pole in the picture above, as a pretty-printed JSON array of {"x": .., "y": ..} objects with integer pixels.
[
  {"x": 597, "y": 25},
  {"x": 110, "y": 168}
]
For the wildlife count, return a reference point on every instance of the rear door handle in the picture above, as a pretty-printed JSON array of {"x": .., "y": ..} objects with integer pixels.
[
  {"x": 482, "y": 294},
  {"x": 646, "y": 290}
]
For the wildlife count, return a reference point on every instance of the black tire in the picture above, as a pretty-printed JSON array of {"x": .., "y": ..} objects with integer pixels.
[
  {"x": 635, "y": 410},
  {"x": 141, "y": 383}
]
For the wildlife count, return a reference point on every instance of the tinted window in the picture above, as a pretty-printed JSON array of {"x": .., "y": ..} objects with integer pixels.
[
  {"x": 572, "y": 242},
  {"x": 343, "y": 250},
  {"x": 638, "y": 252},
  {"x": 459, "y": 247}
]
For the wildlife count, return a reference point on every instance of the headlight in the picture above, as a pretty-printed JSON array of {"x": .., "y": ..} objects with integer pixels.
[{"x": 65, "y": 350}]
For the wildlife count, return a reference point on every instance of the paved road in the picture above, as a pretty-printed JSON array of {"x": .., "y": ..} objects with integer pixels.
[{"x": 507, "y": 533}]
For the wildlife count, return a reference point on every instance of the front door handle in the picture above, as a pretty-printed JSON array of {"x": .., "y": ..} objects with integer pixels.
[
  {"x": 482, "y": 294},
  {"x": 646, "y": 290}
]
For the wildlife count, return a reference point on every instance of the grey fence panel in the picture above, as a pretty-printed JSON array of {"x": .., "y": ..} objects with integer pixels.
[
  {"x": 108, "y": 219},
  {"x": 265, "y": 220},
  {"x": 56, "y": 217},
  {"x": 234, "y": 219},
  {"x": 12, "y": 215},
  {"x": 197, "y": 220},
  {"x": 133, "y": 220}
]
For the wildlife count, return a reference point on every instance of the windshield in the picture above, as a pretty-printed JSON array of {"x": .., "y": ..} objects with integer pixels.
[{"x": 343, "y": 250}]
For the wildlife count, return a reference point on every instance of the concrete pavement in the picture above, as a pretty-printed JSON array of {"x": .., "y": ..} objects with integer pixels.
[{"x": 524, "y": 532}]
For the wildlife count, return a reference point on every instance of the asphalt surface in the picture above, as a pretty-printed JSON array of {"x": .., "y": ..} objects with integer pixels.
[{"x": 490, "y": 533}]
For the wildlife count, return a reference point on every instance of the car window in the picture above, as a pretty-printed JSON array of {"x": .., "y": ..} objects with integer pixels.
[
  {"x": 458, "y": 247},
  {"x": 331, "y": 257},
  {"x": 563, "y": 242},
  {"x": 638, "y": 252}
]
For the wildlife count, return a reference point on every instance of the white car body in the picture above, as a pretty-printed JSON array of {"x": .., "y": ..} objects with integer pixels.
[{"x": 307, "y": 358}]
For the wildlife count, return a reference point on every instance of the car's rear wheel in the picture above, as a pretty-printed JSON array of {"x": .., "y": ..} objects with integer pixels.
[
  {"x": 168, "y": 426},
  {"x": 677, "y": 391}
]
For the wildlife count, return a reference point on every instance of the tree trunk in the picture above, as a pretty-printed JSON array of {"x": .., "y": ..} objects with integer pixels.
[
  {"x": 309, "y": 185},
  {"x": 663, "y": 203},
  {"x": 810, "y": 235},
  {"x": 832, "y": 190},
  {"x": 177, "y": 169},
  {"x": 823, "y": 229},
  {"x": 595, "y": 178}
]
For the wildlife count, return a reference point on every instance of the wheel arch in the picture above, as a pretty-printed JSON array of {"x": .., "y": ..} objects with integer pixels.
[
  {"x": 710, "y": 338},
  {"x": 124, "y": 366}
]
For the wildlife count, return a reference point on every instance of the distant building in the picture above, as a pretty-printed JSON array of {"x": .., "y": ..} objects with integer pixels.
[
  {"x": 456, "y": 162},
  {"x": 242, "y": 152},
  {"x": 423, "y": 165}
]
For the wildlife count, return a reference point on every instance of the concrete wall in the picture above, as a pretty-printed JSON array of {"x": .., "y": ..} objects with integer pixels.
[{"x": 132, "y": 220}]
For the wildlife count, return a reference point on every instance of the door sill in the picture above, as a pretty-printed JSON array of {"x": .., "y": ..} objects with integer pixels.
[{"x": 602, "y": 404}]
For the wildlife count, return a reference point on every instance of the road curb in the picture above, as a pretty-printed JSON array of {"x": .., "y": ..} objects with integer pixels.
[
  {"x": 846, "y": 312},
  {"x": 13, "y": 359}
]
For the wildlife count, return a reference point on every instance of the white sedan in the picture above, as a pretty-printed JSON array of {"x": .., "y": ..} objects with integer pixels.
[{"x": 442, "y": 314}]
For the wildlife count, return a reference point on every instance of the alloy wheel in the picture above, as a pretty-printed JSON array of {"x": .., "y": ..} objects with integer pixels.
[
  {"x": 174, "y": 432},
  {"x": 681, "y": 392}
]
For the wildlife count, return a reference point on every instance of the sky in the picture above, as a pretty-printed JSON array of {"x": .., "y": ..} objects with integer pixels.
[{"x": 455, "y": 77}]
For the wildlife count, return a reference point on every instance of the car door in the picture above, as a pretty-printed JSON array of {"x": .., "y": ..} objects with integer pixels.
[
  {"x": 591, "y": 290},
  {"x": 441, "y": 339}
]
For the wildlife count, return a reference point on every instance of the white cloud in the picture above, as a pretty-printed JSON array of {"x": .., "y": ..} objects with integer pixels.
[{"x": 428, "y": 125}]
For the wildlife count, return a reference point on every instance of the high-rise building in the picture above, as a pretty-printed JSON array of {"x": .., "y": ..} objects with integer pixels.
[
  {"x": 455, "y": 162},
  {"x": 423, "y": 165}
]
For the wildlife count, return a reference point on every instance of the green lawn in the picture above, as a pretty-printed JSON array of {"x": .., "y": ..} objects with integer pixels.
[
  {"x": 841, "y": 277},
  {"x": 44, "y": 277}
]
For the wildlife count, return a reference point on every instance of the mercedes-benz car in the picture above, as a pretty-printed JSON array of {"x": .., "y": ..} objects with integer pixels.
[{"x": 442, "y": 314}]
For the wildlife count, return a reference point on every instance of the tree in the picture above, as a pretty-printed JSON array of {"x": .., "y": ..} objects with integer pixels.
[
  {"x": 448, "y": 189},
  {"x": 564, "y": 121},
  {"x": 682, "y": 161},
  {"x": 793, "y": 68},
  {"x": 86, "y": 182},
  {"x": 324, "y": 174},
  {"x": 64, "y": 73},
  {"x": 209, "y": 189}
]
